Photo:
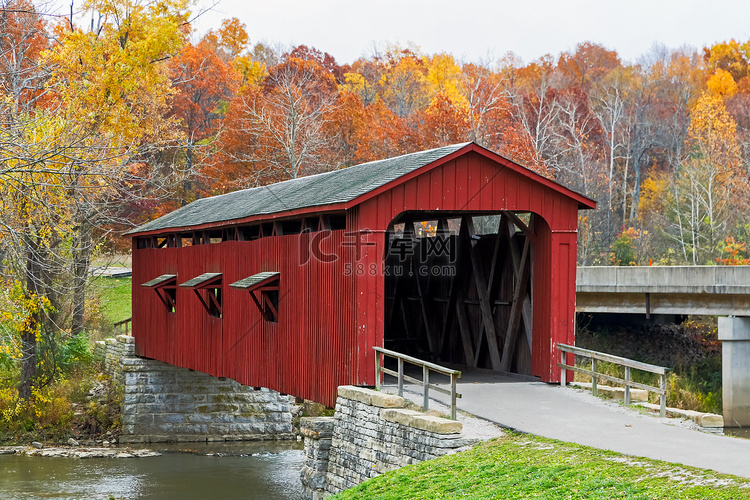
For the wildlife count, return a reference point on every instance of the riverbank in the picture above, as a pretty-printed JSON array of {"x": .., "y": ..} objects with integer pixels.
[
  {"x": 527, "y": 466},
  {"x": 76, "y": 452}
]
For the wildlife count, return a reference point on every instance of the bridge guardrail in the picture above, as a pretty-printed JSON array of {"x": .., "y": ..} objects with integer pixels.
[
  {"x": 625, "y": 362},
  {"x": 425, "y": 382},
  {"x": 124, "y": 324}
]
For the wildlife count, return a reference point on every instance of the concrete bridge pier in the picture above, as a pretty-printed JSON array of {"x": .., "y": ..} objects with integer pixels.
[{"x": 734, "y": 333}]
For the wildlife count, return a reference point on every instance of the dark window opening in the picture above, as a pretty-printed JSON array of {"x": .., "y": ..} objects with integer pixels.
[
  {"x": 269, "y": 300},
  {"x": 165, "y": 287},
  {"x": 170, "y": 295},
  {"x": 337, "y": 222},
  {"x": 291, "y": 226},
  {"x": 250, "y": 233},
  {"x": 207, "y": 288},
  {"x": 266, "y": 229},
  {"x": 311, "y": 224},
  {"x": 229, "y": 234},
  {"x": 214, "y": 302},
  {"x": 264, "y": 290}
]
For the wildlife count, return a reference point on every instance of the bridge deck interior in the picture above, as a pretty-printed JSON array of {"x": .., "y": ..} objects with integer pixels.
[{"x": 458, "y": 289}]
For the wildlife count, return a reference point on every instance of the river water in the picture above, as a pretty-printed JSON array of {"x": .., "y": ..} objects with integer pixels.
[{"x": 201, "y": 471}]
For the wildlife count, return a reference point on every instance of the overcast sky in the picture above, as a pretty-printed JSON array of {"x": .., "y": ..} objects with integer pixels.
[{"x": 472, "y": 30}]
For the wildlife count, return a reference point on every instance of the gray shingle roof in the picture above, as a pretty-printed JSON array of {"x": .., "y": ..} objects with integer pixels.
[
  {"x": 200, "y": 280},
  {"x": 255, "y": 279},
  {"x": 159, "y": 280},
  {"x": 338, "y": 186}
]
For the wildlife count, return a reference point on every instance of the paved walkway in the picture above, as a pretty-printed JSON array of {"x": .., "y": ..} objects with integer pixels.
[{"x": 571, "y": 415}]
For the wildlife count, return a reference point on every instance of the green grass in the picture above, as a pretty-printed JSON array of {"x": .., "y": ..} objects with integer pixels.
[
  {"x": 114, "y": 298},
  {"x": 524, "y": 466}
]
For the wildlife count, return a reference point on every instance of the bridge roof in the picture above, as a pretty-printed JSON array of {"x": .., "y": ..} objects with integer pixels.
[{"x": 335, "y": 190}]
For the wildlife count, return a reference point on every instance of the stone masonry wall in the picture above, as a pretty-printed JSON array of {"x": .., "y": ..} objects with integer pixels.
[
  {"x": 318, "y": 434},
  {"x": 163, "y": 403},
  {"x": 369, "y": 434}
]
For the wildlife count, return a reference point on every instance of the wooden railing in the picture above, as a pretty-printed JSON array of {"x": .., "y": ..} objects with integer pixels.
[
  {"x": 425, "y": 382},
  {"x": 629, "y": 364},
  {"x": 124, "y": 324}
]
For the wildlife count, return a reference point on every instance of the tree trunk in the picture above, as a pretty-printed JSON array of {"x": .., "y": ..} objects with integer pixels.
[
  {"x": 28, "y": 335},
  {"x": 81, "y": 262}
]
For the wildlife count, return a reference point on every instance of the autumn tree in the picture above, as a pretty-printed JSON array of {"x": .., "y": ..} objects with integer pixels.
[
  {"x": 589, "y": 64},
  {"x": 205, "y": 76},
  {"x": 710, "y": 187},
  {"x": 364, "y": 79},
  {"x": 403, "y": 81},
  {"x": 104, "y": 100},
  {"x": 278, "y": 130},
  {"x": 531, "y": 91}
]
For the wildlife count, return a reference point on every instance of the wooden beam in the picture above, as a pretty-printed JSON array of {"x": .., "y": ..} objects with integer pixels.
[
  {"x": 425, "y": 318},
  {"x": 448, "y": 317},
  {"x": 463, "y": 326},
  {"x": 526, "y": 230},
  {"x": 481, "y": 285},
  {"x": 515, "y": 311},
  {"x": 528, "y": 319}
]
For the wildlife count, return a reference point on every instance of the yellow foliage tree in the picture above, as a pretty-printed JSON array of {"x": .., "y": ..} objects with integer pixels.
[
  {"x": 710, "y": 188},
  {"x": 722, "y": 83},
  {"x": 445, "y": 80},
  {"x": 65, "y": 162}
]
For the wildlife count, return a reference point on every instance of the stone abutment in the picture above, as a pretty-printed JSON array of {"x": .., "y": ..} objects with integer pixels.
[
  {"x": 370, "y": 433},
  {"x": 165, "y": 403}
]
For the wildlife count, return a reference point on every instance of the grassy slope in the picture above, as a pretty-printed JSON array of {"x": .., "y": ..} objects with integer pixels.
[
  {"x": 524, "y": 466},
  {"x": 115, "y": 298}
]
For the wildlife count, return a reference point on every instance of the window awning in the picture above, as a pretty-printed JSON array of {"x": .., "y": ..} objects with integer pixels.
[
  {"x": 256, "y": 281},
  {"x": 160, "y": 280},
  {"x": 202, "y": 280}
]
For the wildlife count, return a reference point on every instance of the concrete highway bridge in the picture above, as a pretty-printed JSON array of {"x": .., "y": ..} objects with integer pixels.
[{"x": 711, "y": 290}]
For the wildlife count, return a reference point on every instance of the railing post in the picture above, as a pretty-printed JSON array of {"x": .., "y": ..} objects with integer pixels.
[
  {"x": 627, "y": 386},
  {"x": 453, "y": 396},
  {"x": 663, "y": 395},
  {"x": 564, "y": 372},
  {"x": 401, "y": 377},
  {"x": 377, "y": 370},
  {"x": 594, "y": 389},
  {"x": 426, "y": 387}
]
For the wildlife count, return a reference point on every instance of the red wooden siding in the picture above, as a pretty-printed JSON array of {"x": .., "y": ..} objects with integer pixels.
[{"x": 316, "y": 315}]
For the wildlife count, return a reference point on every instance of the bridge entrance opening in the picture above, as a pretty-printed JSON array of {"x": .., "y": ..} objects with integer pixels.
[{"x": 458, "y": 288}]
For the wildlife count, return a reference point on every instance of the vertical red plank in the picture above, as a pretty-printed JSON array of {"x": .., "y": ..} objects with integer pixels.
[{"x": 449, "y": 185}]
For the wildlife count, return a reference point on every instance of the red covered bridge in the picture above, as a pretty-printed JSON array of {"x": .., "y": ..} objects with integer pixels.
[{"x": 454, "y": 254}]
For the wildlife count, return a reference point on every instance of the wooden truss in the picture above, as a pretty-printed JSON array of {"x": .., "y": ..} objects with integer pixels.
[{"x": 461, "y": 297}]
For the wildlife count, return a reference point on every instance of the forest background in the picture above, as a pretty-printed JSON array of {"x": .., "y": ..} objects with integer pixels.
[{"x": 112, "y": 122}]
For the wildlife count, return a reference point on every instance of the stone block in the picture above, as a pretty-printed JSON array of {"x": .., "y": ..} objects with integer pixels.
[
  {"x": 399, "y": 416},
  {"x": 383, "y": 400},
  {"x": 710, "y": 420},
  {"x": 354, "y": 393}
]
